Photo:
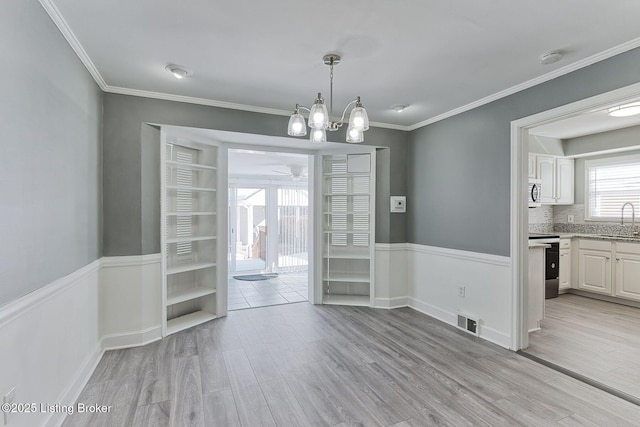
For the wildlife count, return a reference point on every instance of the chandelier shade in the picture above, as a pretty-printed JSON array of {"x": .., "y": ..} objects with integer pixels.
[
  {"x": 354, "y": 135},
  {"x": 318, "y": 136},
  {"x": 297, "y": 126},
  {"x": 320, "y": 118},
  {"x": 358, "y": 118}
]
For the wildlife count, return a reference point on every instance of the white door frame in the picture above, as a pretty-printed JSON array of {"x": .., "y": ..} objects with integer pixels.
[{"x": 519, "y": 205}]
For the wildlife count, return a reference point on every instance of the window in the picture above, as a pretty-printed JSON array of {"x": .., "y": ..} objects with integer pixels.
[{"x": 609, "y": 184}]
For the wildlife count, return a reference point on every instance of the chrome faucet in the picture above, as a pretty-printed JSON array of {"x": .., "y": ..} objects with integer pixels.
[{"x": 633, "y": 218}]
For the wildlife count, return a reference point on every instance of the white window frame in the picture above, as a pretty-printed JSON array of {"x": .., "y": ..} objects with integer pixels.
[{"x": 610, "y": 161}]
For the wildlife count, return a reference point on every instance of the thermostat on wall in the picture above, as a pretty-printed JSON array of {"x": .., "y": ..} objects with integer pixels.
[{"x": 398, "y": 204}]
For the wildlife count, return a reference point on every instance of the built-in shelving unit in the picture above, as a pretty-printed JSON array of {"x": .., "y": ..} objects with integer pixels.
[
  {"x": 348, "y": 191},
  {"x": 189, "y": 239}
]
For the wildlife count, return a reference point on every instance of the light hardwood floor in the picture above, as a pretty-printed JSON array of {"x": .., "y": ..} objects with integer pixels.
[
  {"x": 305, "y": 365},
  {"x": 597, "y": 339}
]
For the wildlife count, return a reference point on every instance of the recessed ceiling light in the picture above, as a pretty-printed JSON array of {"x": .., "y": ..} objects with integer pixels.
[
  {"x": 399, "y": 108},
  {"x": 178, "y": 71},
  {"x": 551, "y": 57},
  {"x": 625, "y": 110}
]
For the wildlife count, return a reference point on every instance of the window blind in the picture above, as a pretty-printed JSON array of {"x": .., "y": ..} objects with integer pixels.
[{"x": 610, "y": 184}]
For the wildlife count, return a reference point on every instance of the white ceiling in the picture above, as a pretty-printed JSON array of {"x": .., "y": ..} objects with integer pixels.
[
  {"x": 585, "y": 124},
  {"x": 434, "y": 55},
  {"x": 263, "y": 164}
]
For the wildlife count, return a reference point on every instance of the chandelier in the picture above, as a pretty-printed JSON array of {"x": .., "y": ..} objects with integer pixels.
[{"x": 320, "y": 119}]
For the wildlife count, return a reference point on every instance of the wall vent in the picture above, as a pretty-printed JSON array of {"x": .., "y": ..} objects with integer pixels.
[{"x": 469, "y": 324}]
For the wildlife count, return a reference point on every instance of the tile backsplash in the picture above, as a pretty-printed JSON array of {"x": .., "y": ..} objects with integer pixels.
[
  {"x": 541, "y": 219},
  {"x": 548, "y": 219}
]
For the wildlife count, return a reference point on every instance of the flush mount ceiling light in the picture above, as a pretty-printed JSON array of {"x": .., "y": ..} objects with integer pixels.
[
  {"x": 178, "y": 71},
  {"x": 320, "y": 120},
  {"x": 625, "y": 110},
  {"x": 399, "y": 108},
  {"x": 551, "y": 57}
]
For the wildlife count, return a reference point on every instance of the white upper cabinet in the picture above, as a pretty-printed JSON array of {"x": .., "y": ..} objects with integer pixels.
[
  {"x": 532, "y": 166},
  {"x": 564, "y": 181},
  {"x": 556, "y": 174}
]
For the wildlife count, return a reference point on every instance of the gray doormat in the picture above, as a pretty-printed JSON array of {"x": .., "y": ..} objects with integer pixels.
[{"x": 256, "y": 277}]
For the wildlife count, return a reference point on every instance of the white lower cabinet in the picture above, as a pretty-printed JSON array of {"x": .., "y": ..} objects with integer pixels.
[
  {"x": 565, "y": 265},
  {"x": 627, "y": 271},
  {"x": 595, "y": 272}
]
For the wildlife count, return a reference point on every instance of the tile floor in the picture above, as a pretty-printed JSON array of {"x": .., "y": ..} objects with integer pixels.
[{"x": 285, "y": 289}]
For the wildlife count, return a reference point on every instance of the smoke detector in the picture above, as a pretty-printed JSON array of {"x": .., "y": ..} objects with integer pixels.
[
  {"x": 178, "y": 71},
  {"x": 551, "y": 57}
]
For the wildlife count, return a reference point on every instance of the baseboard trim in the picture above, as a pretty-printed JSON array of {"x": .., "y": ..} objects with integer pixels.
[
  {"x": 19, "y": 307},
  {"x": 72, "y": 393},
  {"x": 391, "y": 303},
  {"x": 502, "y": 261},
  {"x": 486, "y": 333},
  {"x": 131, "y": 339},
  {"x": 607, "y": 298}
]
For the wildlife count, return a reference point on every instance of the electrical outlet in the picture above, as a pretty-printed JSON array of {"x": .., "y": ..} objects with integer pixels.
[
  {"x": 461, "y": 290},
  {"x": 9, "y": 398},
  {"x": 570, "y": 219}
]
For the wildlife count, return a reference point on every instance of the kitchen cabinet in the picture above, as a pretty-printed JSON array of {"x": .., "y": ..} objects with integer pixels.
[
  {"x": 565, "y": 264},
  {"x": 627, "y": 270},
  {"x": 535, "y": 294},
  {"x": 557, "y": 176},
  {"x": 596, "y": 273},
  {"x": 532, "y": 166}
]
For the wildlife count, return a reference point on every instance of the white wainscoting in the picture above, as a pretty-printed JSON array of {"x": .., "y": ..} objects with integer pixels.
[
  {"x": 434, "y": 275},
  {"x": 51, "y": 344},
  {"x": 130, "y": 300},
  {"x": 391, "y": 275},
  {"x": 53, "y": 338}
]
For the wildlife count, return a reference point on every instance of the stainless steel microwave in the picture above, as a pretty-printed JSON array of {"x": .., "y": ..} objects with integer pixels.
[{"x": 534, "y": 193}]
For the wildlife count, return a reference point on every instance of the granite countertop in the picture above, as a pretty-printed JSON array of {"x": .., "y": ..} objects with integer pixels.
[{"x": 615, "y": 237}]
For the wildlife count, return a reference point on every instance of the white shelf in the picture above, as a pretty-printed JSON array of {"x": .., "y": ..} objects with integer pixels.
[
  {"x": 346, "y": 194},
  {"x": 346, "y": 213},
  {"x": 347, "y": 175},
  {"x": 189, "y": 213},
  {"x": 346, "y": 256},
  {"x": 359, "y": 300},
  {"x": 347, "y": 277},
  {"x": 190, "y": 267},
  {"x": 189, "y": 294},
  {"x": 185, "y": 188},
  {"x": 188, "y": 321},
  {"x": 190, "y": 165},
  {"x": 190, "y": 239},
  {"x": 347, "y": 231}
]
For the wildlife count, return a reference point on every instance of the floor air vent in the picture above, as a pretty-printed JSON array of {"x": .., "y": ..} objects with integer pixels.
[{"x": 469, "y": 324}]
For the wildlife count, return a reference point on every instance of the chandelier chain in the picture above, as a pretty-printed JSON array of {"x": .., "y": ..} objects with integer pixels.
[{"x": 331, "y": 89}]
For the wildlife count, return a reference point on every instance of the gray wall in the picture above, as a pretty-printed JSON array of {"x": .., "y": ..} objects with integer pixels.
[
  {"x": 615, "y": 139},
  {"x": 132, "y": 185},
  {"x": 459, "y": 168},
  {"x": 50, "y": 110},
  {"x": 626, "y": 138}
]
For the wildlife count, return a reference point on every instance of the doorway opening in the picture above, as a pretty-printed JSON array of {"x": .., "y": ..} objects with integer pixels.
[
  {"x": 585, "y": 332},
  {"x": 269, "y": 228}
]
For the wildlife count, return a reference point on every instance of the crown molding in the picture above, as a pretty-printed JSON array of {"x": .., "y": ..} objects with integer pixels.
[
  {"x": 64, "y": 28},
  {"x": 221, "y": 104},
  {"x": 616, "y": 50}
]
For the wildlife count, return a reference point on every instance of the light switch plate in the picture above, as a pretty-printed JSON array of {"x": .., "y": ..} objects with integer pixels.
[{"x": 398, "y": 204}]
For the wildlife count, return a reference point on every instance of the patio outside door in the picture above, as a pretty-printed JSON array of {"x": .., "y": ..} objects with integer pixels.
[{"x": 248, "y": 230}]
